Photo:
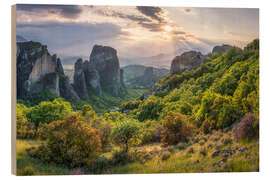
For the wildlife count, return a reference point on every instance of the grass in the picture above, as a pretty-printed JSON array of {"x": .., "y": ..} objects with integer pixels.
[
  {"x": 170, "y": 159},
  {"x": 27, "y": 165},
  {"x": 200, "y": 159}
]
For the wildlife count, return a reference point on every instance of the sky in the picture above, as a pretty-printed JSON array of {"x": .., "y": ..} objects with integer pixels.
[{"x": 135, "y": 31}]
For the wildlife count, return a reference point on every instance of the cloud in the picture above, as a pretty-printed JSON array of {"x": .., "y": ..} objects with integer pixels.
[
  {"x": 152, "y": 12},
  {"x": 59, "y": 36},
  {"x": 66, "y": 11},
  {"x": 111, "y": 13}
]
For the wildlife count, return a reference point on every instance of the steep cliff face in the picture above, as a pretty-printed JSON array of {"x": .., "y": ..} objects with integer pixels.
[
  {"x": 92, "y": 78},
  {"x": 79, "y": 80},
  {"x": 38, "y": 70},
  {"x": 188, "y": 60},
  {"x": 221, "y": 49},
  {"x": 104, "y": 59},
  {"x": 102, "y": 71}
]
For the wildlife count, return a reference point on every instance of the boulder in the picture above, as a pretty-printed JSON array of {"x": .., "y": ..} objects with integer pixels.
[{"x": 188, "y": 60}]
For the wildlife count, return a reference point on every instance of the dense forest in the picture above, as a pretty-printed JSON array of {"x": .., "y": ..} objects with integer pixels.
[{"x": 204, "y": 119}]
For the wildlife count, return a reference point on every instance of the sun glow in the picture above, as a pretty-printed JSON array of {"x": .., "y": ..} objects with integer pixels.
[{"x": 168, "y": 28}]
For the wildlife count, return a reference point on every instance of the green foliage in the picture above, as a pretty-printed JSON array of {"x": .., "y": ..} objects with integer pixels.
[
  {"x": 176, "y": 128},
  {"x": 130, "y": 105},
  {"x": 47, "y": 112},
  {"x": 28, "y": 171},
  {"x": 150, "y": 108},
  {"x": 70, "y": 142},
  {"x": 24, "y": 129},
  {"x": 126, "y": 133},
  {"x": 222, "y": 109},
  {"x": 35, "y": 99},
  {"x": 254, "y": 45},
  {"x": 151, "y": 131}
]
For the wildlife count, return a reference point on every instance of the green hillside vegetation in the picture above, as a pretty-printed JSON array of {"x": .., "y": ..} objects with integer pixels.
[{"x": 201, "y": 120}]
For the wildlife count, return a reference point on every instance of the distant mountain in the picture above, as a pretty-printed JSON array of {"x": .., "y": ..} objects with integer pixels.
[
  {"x": 139, "y": 76},
  {"x": 20, "y": 39},
  {"x": 68, "y": 62},
  {"x": 158, "y": 61}
]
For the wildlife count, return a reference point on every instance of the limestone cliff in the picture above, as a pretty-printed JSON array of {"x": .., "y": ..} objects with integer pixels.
[{"x": 38, "y": 70}]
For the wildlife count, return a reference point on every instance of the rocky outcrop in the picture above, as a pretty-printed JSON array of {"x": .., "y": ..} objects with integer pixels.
[
  {"x": 188, "y": 60},
  {"x": 104, "y": 59},
  {"x": 101, "y": 72},
  {"x": 221, "y": 49},
  {"x": 92, "y": 78},
  {"x": 79, "y": 80},
  {"x": 37, "y": 70}
]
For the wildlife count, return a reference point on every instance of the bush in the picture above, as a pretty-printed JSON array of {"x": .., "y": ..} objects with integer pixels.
[
  {"x": 166, "y": 155},
  {"x": 176, "y": 128},
  {"x": 70, "y": 142},
  {"x": 208, "y": 125},
  {"x": 151, "y": 132},
  {"x": 24, "y": 129},
  {"x": 130, "y": 105},
  {"x": 28, "y": 171},
  {"x": 247, "y": 128},
  {"x": 120, "y": 158},
  {"x": 47, "y": 112},
  {"x": 99, "y": 165},
  {"x": 223, "y": 109},
  {"x": 150, "y": 109}
]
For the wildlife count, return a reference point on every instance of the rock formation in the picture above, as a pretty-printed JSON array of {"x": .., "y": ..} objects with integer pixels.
[
  {"x": 188, "y": 60},
  {"x": 104, "y": 59},
  {"x": 101, "y": 72},
  {"x": 221, "y": 49},
  {"x": 37, "y": 70},
  {"x": 79, "y": 80}
]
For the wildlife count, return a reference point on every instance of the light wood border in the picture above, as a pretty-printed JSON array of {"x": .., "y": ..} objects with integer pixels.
[{"x": 13, "y": 89}]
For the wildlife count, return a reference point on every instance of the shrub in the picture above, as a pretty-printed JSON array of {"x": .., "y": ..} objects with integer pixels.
[
  {"x": 175, "y": 128},
  {"x": 203, "y": 151},
  {"x": 130, "y": 105},
  {"x": 182, "y": 146},
  {"x": 120, "y": 158},
  {"x": 126, "y": 133},
  {"x": 88, "y": 112},
  {"x": 208, "y": 125},
  {"x": 70, "y": 142},
  {"x": 150, "y": 109},
  {"x": 47, "y": 112},
  {"x": 247, "y": 128},
  {"x": 166, "y": 155},
  {"x": 99, "y": 165},
  {"x": 28, "y": 171},
  {"x": 24, "y": 129},
  {"x": 190, "y": 150},
  {"x": 223, "y": 109},
  {"x": 151, "y": 132}
]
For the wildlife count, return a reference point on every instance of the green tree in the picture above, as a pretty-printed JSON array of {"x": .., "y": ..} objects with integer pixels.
[
  {"x": 126, "y": 133},
  {"x": 47, "y": 112}
]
